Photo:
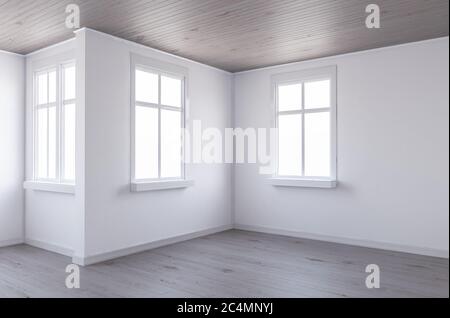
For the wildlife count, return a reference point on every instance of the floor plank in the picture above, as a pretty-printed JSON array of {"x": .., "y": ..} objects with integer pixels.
[{"x": 229, "y": 264}]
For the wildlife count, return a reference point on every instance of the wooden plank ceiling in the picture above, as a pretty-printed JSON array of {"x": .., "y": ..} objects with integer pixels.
[{"x": 233, "y": 35}]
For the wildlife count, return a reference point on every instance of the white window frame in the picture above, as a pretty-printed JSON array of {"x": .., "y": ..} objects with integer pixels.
[
  {"x": 301, "y": 77},
  {"x": 168, "y": 70},
  {"x": 37, "y": 107},
  {"x": 59, "y": 104},
  {"x": 65, "y": 102}
]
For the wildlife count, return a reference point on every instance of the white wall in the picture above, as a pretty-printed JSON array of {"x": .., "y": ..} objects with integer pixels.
[
  {"x": 12, "y": 110},
  {"x": 50, "y": 218},
  {"x": 115, "y": 217},
  {"x": 393, "y": 155}
]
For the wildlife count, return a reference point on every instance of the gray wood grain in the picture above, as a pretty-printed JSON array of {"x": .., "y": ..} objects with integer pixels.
[
  {"x": 229, "y": 264},
  {"x": 234, "y": 35}
]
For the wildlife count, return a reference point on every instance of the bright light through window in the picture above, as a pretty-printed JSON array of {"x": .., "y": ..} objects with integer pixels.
[
  {"x": 171, "y": 91},
  {"x": 146, "y": 143},
  {"x": 170, "y": 144},
  {"x": 317, "y": 144},
  {"x": 290, "y": 97},
  {"x": 147, "y": 87},
  {"x": 317, "y": 94},
  {"x": 290, "y": 145},
  {"x": 69, "y": 142},
  {"x": 304, "y": 109},
  {"x": 159, "y": 118},
  {"x": 69, "y": 82},
  {"x": 54, "y": 124}
]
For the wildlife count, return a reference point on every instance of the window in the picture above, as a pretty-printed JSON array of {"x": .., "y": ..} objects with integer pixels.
[
  {"x": 54, "y": 124},
  {"x": 159, "y": 117},
  {"x": 305, "y": 104}
]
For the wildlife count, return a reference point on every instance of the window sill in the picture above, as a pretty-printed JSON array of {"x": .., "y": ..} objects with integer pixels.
[
  {"x": 137, "y": 186},
  {"x": 304, "y": 183},
  {"x": 49, "y": 187}
]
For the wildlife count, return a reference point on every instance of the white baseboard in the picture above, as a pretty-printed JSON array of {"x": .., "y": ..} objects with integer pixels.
[
  {"x": 98, "y": 258},
  {"x": 347, "y": 241},
  {"x": 13, "y": 242},
  {"x": 102, "y": 257},
  {"x": 49, "y": 247}
]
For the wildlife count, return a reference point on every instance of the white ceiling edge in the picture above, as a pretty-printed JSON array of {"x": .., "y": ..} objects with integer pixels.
[
  {"x": 325, "y": 58},
  {"x": 138, "y": 45},
  {"x": 218, "y": 69},
  {"x": 49, "y": 47},
  {"x": 11, "y": 53}
]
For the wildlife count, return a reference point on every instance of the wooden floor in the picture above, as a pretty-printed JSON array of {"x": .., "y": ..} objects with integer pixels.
[{"x": 229, "y": 264}]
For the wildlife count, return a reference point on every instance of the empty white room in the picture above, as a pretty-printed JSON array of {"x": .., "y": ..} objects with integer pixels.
[{"x": 224, "y": 149}]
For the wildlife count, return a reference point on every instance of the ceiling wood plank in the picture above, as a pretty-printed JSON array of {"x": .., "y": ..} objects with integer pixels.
[{"x": 234, "y": 35}]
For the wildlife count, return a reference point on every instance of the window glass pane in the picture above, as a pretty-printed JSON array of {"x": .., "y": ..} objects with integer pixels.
[
  {"x": 69, "y": 142},
  {"x": 289, "y": 97},
  {"x": 52, "y": 87},
  {"x": 42, "y": 89},
  {"x": 41, "y": 143},
  {"x": 171, "y": 91},
  {"x": 48, "y": 154},
  {"x": 52, "y": 142},
  {"x": 317, "y": 94},
  {"x": 146, "y": 87},
  {"x": 317, "y": 144},
  {"x": 146, "y": 143},
  {"x": 289, "y": 145},
  {"x": 170, "y": 144},
  {"x": 69, "y": 82}
]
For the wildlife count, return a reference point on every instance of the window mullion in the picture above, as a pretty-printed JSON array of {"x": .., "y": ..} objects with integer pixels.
[
  {"x": 317, "y": 140},
  {"x": 68, "y": 101},
  {"x": 51, "y": 156},
  {"x": 47, "y": 105},
  {"x": 291, "y": 112},
  {"x": 59, "y": 110},
  {"x": 48, "y": 129},
  {"x": 303, "y": 130},
  {"x": 183, "y": 132},
  {"x": 145, "y": 104},
  {"x": 164, "y": 107},
  {"x": 159, "y": 126},
  {"x": 277, "y": 120},
  {"x": 35, "y": 129},
  {"x": 160, "y": 108},
  {"x": 317, "y": 110}
]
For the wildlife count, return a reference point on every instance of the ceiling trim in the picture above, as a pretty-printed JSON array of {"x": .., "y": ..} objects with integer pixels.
[
  {"x": 11, "y": 53},
  {"x": 325, "y": 58},
  {"x": 233, "y": 35},
  {"x": 138, "y": 45},
  {"x": 49, "y": 47}
]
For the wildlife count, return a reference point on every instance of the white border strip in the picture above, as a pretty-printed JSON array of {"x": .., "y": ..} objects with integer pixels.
[
  {"x": 303, "y": 183},
  {"x": 98, "y": 258},
  {"x": 50, "y": 247},
  {"x": 49, "y": 187},
  {"x": 160, "y": 185},
  {"x": 13, "y": 242},
  {"x": 12, "y": 53},
  {"x": 53, "y": 46},
  {"x": 224, "y": 71},
  {"x": 330, "y": 57},
  {"x": 101, "y": 257},
  {"x": 347, "y": 241},
  {"x": 138, "y": 45}
]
